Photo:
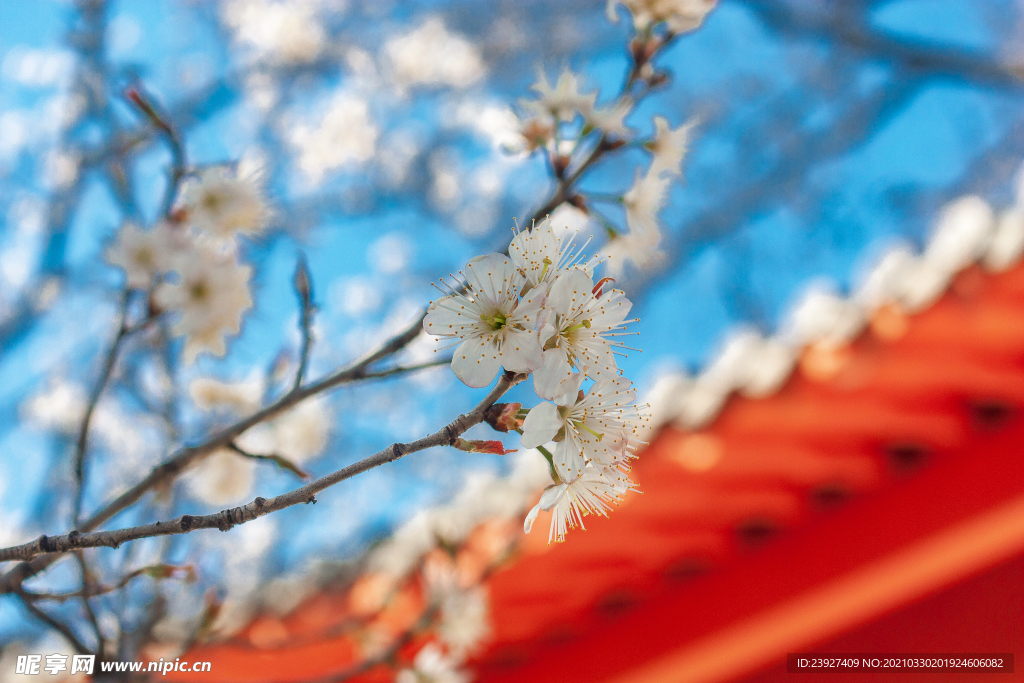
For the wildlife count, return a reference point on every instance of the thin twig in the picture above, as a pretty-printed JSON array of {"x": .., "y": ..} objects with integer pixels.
[
  {"x": 53, "y": 623},
  {"x": 304, "y": 289},
  {"x": 81, "y": 442},
  {"x": 226, "y": 519},
  {"x": 144, "y": 102},
  {"x": 279, "y": 460},
  {"x": 180, "y": 460},
  {"x": 87, "y": 584}
]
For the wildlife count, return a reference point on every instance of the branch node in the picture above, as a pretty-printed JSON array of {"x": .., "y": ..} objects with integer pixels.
[
  {"x": 186, "y": 522},
  {"x": 260, "y": 501},
  {"x": 311, "y": 499}
]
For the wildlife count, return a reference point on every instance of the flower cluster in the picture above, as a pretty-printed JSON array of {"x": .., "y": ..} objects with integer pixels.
[
  {"x": 189, "y": 263},
  {"x": 539, "y": 311}
]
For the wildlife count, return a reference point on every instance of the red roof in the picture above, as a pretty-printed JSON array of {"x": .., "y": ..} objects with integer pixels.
[{"x": 849, "y": 510}]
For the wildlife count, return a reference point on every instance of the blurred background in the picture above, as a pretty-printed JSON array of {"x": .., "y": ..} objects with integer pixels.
[{"x": 829, "y": 135}]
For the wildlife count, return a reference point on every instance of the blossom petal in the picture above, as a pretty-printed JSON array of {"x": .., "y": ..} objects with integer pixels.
[
  {"x": 491, "y": 275},
  {"x": 568, "y": 388},
  {"x": 520, "y": 352},
  {"x": 541, "y": 425},
  {"x": 475, "y": 362},
  {"x": 530, "y": 518},
  {"x": 547, "y": 377},
  {"x": 568, "y": 458},
  {"x": 569, "y": 290},
  {"x": 552, "y": 494}
]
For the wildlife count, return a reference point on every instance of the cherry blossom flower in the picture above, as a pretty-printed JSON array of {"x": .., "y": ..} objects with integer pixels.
[
  {"x": 644, "y": 200},
  {"x": 577, "y": 331},
  {"x": 431, "y": 665},
  {"x": 463, "y": 608},
  {"x": 210, "y": 296},
  {"x": 240, "y": 398},
  {"x": 612, "y": 119},
  {"x": 223, "y": 204},
  {"x": 669, "y": 147},
  {"x": 594, "y": 492},
  {"x": 600, "y": 426},
  {"x": 564, "y": 100},
  {"x": 679, "y": 16},
  {"x": 141, "y": 254},
  {"x": 642, "y": 249},
  {"x": 497, "y": 329},
  {"x": 541, "y": 255}
]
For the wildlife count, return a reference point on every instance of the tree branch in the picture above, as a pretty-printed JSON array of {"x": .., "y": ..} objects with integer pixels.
[
  {"x": 52, "y": 622},
  {"x": 225, "y": 519},
  {"x": 304, "y": 289},
  {"x": 81, "y": 442}
]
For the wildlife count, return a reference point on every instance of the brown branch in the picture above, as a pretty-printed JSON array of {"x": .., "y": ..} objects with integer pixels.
[
  {"x": 304, "y": 289},
  {"x": 53, "y": 623},
  {"x": 81, "y": 442},
  {"x": 226, "y": 519}
]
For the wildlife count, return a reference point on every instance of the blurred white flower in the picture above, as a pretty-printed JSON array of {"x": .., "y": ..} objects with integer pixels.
[
  {"x": 241, "y": 398},
  {"x": 611, "y": 119},
  {"x": 669, "y": 146},
  {"x": 59, "y": 406},
  {"x": 223, "y": 478},
  {"x": 431, "y": 665},
  {"x": 679, "y": 16},
  {"x": 463, "y": 610},
  {"x": 345, "y": 134},
  {"x": 431, "y": 55},
  {"x": 563, "y": 100},
  {"x": 298, "y": 435},
  {"x": 142, "y": 254},
  {"x": 37, "y": 67},
  {"x": 643, "y": 201},
  {"x": 224, "y": 204},
  {"x": 284, "y": 32},
  {"x": 210, "y": 296},
  {"x": 641, "y": 249}
]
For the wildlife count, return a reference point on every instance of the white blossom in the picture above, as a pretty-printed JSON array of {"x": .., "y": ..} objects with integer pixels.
[
  {"x": 345, "y": 134},
  {"x": 300, "y": 434},
  {"x": 463, "y": 609},
  {"x": 577, "y": 331},
  {"x": 601, "y": 426},
  {"x": 223, "y": 478},
  {"x": 241, "y": 398},
  {"x": 642, "y": 249},
  {"x": 432, "y": 55},
  {"x": 541, "y": 255},
  {"x": 497, "y": 329},
  {"x": 142, "y": 254},
  {"x": 563, "y": 100},
  {"x": 612, "y": 119},
  {"x": 679, "y": 16},
  {"x": 210, "y": 295},
  {"x": 431, "y": 665},
  {"x": 594, "y": 492},
  {"x": 669, "y": 147},
  {"x": 643, "y": 201},
  {"x": 286, "y": 32},
  {"x": 223, "y": 204}
]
